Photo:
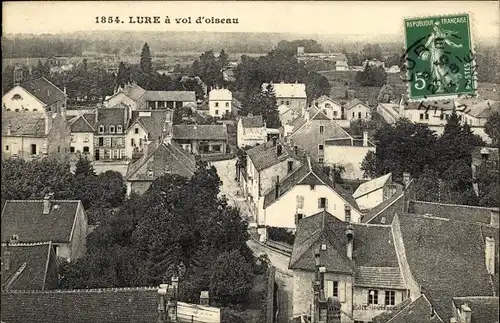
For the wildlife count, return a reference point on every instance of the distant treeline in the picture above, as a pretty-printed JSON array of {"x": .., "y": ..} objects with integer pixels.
[{"x": 41, "y": 46}]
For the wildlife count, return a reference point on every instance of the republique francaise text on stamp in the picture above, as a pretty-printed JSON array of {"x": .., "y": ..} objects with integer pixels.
[{"x": 439, "y": 57}]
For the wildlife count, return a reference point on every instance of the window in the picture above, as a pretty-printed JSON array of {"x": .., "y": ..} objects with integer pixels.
[
  {"x": 101, "y": 129},
  {"x": 35, "y": 110},
  {"x": 359, "y": 115},
  {"x": 16, "y": 97},
  {"x": 101, "y": 141},
  {"x": 85, "y": 138},
  {"x": 290, "y": 165},
  {"x": 426, "y": 116},
  {"x": 140, "y": 142},
  {"x": 136, "y": 131},
  {"x": 298, "y": 217},
  {"x": 287, "y": 102},
  {"x": 421, "y": 116},
  {"x": 335, "y": 113},
  {"x": 300, "y": 201},
  {"x": 58, "y": 149},
  {"x": 216, "y": 104},
  {"x": 321, "y": 160},
  {"x": 322, "y": 203},
  {"x": 150, "y": 173},
  {"x": 7, "y": 148},
  {"x": 353, "y": 115},
  {"x": 86, "y": 149},
  {"x": 282, "y": 102},
  {"x": 17, "y": 110},
  {"x": 441, "y": 116},
  {"x": 33, "y": 149},
  {"x": 390, "y": 297},
  {"x": 111, "y": 129},
  {"x": 331, "y": 289},
  {"x": 366, "y": 114},
  {"x": 373, "y": 296},
  {"x": 132, "y": 142},
  {"x": 73, "y": 138},
  {"x": 216, "y": 112},
  {"x": 227, "y": 104},
  {"x": 321, "y": 147},
  {"x": 321, "y": 129},
  {"x": 119, "y": 129},
  {"x": 216, "y": 148},
  {"x": 71, "y": 149},
  {"x": 227, "y": 111}
]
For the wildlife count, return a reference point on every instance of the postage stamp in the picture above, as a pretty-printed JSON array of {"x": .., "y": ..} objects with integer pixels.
[{"x": 439, "y": 57}]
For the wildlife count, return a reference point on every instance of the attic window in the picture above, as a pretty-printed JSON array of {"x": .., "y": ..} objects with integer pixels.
[
  {"x": 17, "y": 97},
  {"x": 151, "y": 173},
  {"x": 119, "y": 129},
  {"x": 111, "y": 129},
  {"x": 136, "y": 130},
  {"x": 321, "y": 129},
  {"x": 323, "y": 247},
  {"x": 101, "y": 129}
]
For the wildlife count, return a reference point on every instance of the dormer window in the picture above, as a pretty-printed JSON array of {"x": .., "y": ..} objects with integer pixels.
[
  {"x": 111, "y": 129},
  {"x": 101, "y": 129},
  {"x": 119, "y": 129},
  {"x": 17, "y": 97},
  {"x": 151, "y": 173}
]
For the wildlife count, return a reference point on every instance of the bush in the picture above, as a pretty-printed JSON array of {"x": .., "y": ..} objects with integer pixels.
[{"x": 280, "y": 235}]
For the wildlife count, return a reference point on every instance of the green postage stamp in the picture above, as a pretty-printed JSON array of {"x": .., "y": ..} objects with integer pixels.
[{"x": 439, "y": 57}]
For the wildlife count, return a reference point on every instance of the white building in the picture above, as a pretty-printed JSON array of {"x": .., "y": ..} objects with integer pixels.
[
  {"x": 329, "y": 107},
  {"x": 357, "y": 110},
  {"x": 370, "y": 194},
  {"x": 292, "y": 95},
  {"x": 220, "y": 102},
  {"x": 251, "y": 131}
]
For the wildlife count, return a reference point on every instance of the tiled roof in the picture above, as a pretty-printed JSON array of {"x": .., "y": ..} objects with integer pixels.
[
  {"x": 124, "y": 305},
  {"x": 83, "y": 123},
  {"x": 152, "y": 121},
  {"x": 220, "y": 94},
  {"x": 252, "y": 121},
  {"x": 26, "y": 219},
  {"x": 28, "y": 124},
  {"x": 418, "y": 311},
  {"x": 162, "y": 159},
  {"x": 32, "y": 262},
  {"x": 379, "y": 277},
  {"x": 324, "y": 98},
  {"x": 484, "y": 309},
  {"x": 373, "y": 246},
  {"x": 119, "y": 105},
  {"x": 44, "y": 90},
  {"x": 200, "y": 132},
  {"x": 264, "y": 156},
  {"x": 332, "y": 131},
  {"x": 110, "y": 116},
  {"x": 354, "y": 102},
  {"x": 182, "y": 96},
  {"x": 446, "y": 258},
  {"x": 466, "y": 213},
  {"x": 371, "y": 186},
  {"x": 288, "y": 90},
  {"x": 133, "y": 91}
]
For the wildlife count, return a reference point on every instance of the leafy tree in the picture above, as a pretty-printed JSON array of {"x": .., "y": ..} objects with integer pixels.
[
  {"x": 371, "y": 76},
  {"x": 386, "y": 94},
  {"x": 427, "y": 186},
  {"x": 372, "y": 51},
  {"x": 231, "y": 278},
  {"x": 83, "y": 168},
  {"x": 369, "y": 165},
  {"x": 290, "y": 47},
  {"x": 492, "y": 128},
  {"x": 146, "y": 65},
  {"x": 316, "y": 86}
]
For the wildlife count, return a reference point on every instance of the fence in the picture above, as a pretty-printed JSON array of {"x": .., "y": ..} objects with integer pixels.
[
  {"x": 279, "y": 246},
  {"x": 192, "y": 313}
]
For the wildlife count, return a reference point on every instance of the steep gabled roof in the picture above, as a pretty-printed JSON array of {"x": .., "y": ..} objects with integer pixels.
[
  {"x": 28, "y": 264},
  {"x": 166, "y": 158},
  {"x": 418, "y": 311},
  {"x": 266, "y": 155},
  {"x": 152, "y": 121},
  {"x": 110, "y": 116},
  {"x": 252, "y": 121},
  {"x": 371, "y": 186},
  {"x": 485, "y": 309},
  {"x": 466, "y": 213},
  {"x": 26, "y": 124},
  {"x": 133, "y": 91},
  {"x": 26, "y": 219},
  {"x": 324, "y": 98},
  {"x": 44, "y": 90},
  {"x": 200, "y": 132},
  {"x": 83, "y": 123},
  {"x": 355, "y": 102},
  {"x": 333, "y": 132}
]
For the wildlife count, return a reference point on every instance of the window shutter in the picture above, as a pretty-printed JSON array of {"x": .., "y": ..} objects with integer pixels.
[
  {"x": 402, "y": 296},
  {"x": 329, "y": 288},
  {"x": 342, "y": 291},
  {"x": 326, "y": 203},
  {"x": 319, "y": 203},
  {"x": 365, "y": 296}
]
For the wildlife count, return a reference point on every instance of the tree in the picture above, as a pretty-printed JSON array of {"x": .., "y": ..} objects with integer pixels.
[
  {"x": 316, "y": 86},
  {"x": 372, "y": 51},
  {"x": 263, "y": 102},
  {"x": 83, "y": 168},
  {"x": 123, "y": 75},
  {"x": 231, "y": 278},
  {"x": 492, "y": 128},
  {"x": 371, "y": 76},
  {"x": 386, "y": 94},
  {"x": 146, "y": 65}
]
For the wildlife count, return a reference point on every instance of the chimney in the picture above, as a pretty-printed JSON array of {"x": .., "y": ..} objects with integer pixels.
[
  {"x": 64, "y": 89},
  {"x": 465, "y": 313},
  {"x": 349, "y": 232},
  {"x": 277, "y": 188},
  {"x": 489, "y": 254},
  {"x": 9, "y": 129},
  {"x": 46, "y": 203},
  {"x": 347, "y": 212},
  {"x": 274, "y": 141},
  {"x": 365, "y": 138},
  {"x": 204, "y": 298},
  {"x": 162, "y": 308},
  {"x": 406, "y": 179},
  {"x": 6, "y": 259},
  {"x": 494, "y": 217},
  {"x": 322, "y": 271},
  {"x": 279, "y": 150}
]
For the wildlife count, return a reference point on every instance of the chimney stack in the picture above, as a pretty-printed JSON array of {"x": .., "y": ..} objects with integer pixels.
[
  {"x": 204, "y": 298},
  {"x": 279, "y": 150},
  {"x": 46, "y": 203},
  {"x": 406, "y": 179},
  {"x": 48, "y": 122},
  {"x": 494, "y": 218},
  {"x": 365, "y": 138},
  {"x": 347, "y": 212},
  {"x": 465, "y": 313},
  {"x": 349, "y": 232}
]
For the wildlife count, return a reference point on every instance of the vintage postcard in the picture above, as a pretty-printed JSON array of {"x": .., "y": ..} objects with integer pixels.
[{"x": 250, "y": 162}]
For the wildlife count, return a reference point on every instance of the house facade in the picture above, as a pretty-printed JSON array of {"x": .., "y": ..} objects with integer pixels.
[
  {"x": 169, "y": 99},
  {"x": 201, "y": 139},
  {"x": 63, "y": 222},
  {"x": 329, "y": 107},
  {"x": 109, "y": 141},
  {"x": 220, "y": 102},
  {"x": 82, "y": 135},
  {"x": 287, "y": 114},
  {"x": 292, "y": 95},
  {"x": 372, "y": 193},
  {"x": 38, "y": 95},
  {"x": 251, "y": 131},
  {"x": 30, "y": 135},
  {"x": 131, "y": 95},
  {"x": 304, "y": 192},
  {"x": 357, "y": 110},
  {"x": 355, "y": 263}
]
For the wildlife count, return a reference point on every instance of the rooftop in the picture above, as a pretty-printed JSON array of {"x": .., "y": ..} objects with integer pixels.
[
  {"x": 44, "y": 90},
  {"x": 154, "y": 122},
  {"x": 373, "y": 185},
  {"x": 133, "y": 91},
  {"x": 252, "y": 121},
  {"x": 28, "y": 124},
  {"x": 26, "y": 219},
  {"x": 83, "y": 123},
  {"x": 220, "y": 94},
  {"x": 200, "y": 132},
  {"x": 266, "y": 155},
  {"x": 418, "y": 311},
  {"x": 176, "y": 96},
  {"x": 288, "y": 90},
  {"x": 484, "y": 309},
  {"x": 110, "y": 116}
]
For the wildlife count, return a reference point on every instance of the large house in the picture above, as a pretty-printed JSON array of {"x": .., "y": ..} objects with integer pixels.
[
  {"x": 292, "y": 95},
  {"x": 201, "y": 139},
  {"x": 220, "y": 102},
  {"x": 38, "y": 95},
  {"x": 160, "y": 158},
  {"x": 30, "y": 135},
  {"x": 357, "y": 110},
  {"x": 251, "y": 131},
  {"x": 111, "y": 126},
  {"x": 82, "y": 134},
  {"x": 329, "y": 107},
  {"x": 304, "y": 192},
  {"x": 63, "y": 222},
  {"x": 29, "y": 266}
]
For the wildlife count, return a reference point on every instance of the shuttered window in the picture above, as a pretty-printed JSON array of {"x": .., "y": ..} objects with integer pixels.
[
  {"x": 323, "y": 203},
  {"x": 300, "y": 201}
]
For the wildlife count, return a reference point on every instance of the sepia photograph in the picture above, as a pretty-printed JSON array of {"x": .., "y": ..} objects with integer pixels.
[{"x": 250, "y": 162}]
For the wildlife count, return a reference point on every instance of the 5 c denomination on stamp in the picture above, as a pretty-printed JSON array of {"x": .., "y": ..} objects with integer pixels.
[{"x": 439, "y": 57}]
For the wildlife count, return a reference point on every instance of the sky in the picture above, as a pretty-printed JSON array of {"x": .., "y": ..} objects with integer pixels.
[{"x": 322, "y": 18}]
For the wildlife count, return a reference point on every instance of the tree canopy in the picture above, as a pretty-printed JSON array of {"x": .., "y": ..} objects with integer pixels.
[{"x": 371, "y": 76}]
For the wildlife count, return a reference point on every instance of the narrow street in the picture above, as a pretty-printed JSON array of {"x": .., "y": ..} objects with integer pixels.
[{"x": 230, "y": 188}]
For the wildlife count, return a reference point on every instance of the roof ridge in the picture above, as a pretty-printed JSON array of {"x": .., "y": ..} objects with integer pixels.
[
  {"x": 90, "y": 290},
  {"x": 26, "y": 244},
  {"x": 475, "y": 297},
  {"x": 461, "y": 205},
  {"x": 377, "y": 267},
  {"x": 27, "y": 200}
]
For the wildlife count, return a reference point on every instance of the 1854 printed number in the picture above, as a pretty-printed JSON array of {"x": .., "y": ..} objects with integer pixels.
[{"x": 107, "y": 20}]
